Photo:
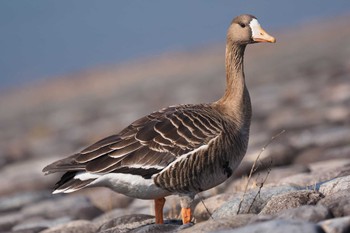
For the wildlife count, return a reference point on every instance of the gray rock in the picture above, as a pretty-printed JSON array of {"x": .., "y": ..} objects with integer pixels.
[
  {"x": 105, "y": 199},
  {"x": 78, "y": 226},
  {"x": 29, "y": 179},
  {"x": 291, "y": 200},
  {"x": 337, "y": 203},
  {"x": 31, "y": 230},
  {"x": 307, "y": 213},
  {"x": 202, "y": 211},
  {"x": 277, "y": 173},
  {"x": 158, "y": 228},
  {"x": 330, "y": 164},
  {"x": 40, "y": 223},
  {"x": 140, "y": 206},
  {"x": 9, "y": 220},
  {"x": 320, "y": 173},
  {"x": 274, "y": 155},
  {"x": 126, "y": 223},
  {"x": 322, "y": 153},
  {"x": 252, "y": 202},
  {"x": 113, "y": 214},
  {"x": 213, "y": 225},
  {"x": 336, "y": 185},
  {"x": 336, "y": 225},
  {"x": 274, "y": 177},
  {"x": 19, "y": 200},
  {"x": 76, "y": 207},
  {"x": 277, "y": 226},
  {"x": 322, "y": 136}
]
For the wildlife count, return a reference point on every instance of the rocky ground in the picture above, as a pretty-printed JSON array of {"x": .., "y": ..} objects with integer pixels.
[{"x": 302, "y": 180}]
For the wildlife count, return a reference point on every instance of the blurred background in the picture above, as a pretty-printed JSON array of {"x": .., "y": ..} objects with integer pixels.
[
  {"x": 72, "y": 72},
  {"x": 45, "y": 39}
]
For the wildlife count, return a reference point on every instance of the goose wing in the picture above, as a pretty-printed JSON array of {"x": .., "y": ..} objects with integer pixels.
[{"x": 149, "y": 144}]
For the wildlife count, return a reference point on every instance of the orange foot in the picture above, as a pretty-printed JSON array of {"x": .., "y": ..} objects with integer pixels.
[{"x": 186, "y": 215}]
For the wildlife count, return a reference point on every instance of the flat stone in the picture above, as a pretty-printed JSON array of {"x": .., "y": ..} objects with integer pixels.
[
  {"x": 105, "y": 199},
  {"x": 338, "y": 203},
  {"x": 274, "y": 177},
  {"x": 277, "y": 173},
  {"x": 252, "y": 202},
  {"x": 213, "y": 225},
  {"x": 203, "y": 212},
  {"x": 330, "y": 164},
  {"x": 336, "y": 185},
  {"x": 322, "y": 136},
  {"x": 277, "y": 226},
  {"x": 336, "y": 225},
  {"x": 39, "y": 223},
  {"x": 157, "y": 228},
  {"x": 140, "y": 206},
  {"x": 320, "y": 173},
  {"x": 291, "y": 200},
  {"x": 19, "y": 200},
  {"x": 322, "y": 153},
  {"x": 8, "y": 220},
  {"x": 273, "y": 156},
  {"x": 113, "y": 214},
  {"x": 78, "y": 226},
  {"x": 29, "y": 179},
  {"x": 126, "y": 223},
  {"x": 76, "y": 207},
  {"x": 306, "y": 212}
]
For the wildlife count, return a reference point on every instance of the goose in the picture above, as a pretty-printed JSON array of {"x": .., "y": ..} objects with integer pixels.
[{"x": 179, "y": 150}]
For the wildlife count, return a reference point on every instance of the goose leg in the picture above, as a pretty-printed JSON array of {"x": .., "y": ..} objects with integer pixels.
[
  {"x": 186, "y": 215},
  {"x": 186, "y": 203},
  {"x": 158, "y": 209}
]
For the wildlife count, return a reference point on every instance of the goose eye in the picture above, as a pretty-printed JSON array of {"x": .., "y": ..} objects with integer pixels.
[{"x": 242, "y": 25}]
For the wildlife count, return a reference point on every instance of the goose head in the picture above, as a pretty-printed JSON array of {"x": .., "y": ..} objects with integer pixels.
[{"x": 245, "y": 29}]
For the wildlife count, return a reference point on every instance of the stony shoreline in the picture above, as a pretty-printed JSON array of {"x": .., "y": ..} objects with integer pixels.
[{"x": 300, "y": 85}]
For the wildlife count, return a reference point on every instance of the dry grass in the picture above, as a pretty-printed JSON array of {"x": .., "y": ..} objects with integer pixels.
[{"x": 253, "y": 169}]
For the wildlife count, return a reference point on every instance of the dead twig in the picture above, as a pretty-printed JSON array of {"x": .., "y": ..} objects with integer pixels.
[
  {"x": 269, "y": 168},
  {"x": 254, "y": 168},
  {"x": 205, "y": 206}
]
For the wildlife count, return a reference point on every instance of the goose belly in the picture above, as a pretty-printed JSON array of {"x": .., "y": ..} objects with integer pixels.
[{"x": 129, "y": 185}]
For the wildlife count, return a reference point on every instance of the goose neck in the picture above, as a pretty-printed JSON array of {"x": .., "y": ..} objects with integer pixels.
[{"x": 235, "y": 81}]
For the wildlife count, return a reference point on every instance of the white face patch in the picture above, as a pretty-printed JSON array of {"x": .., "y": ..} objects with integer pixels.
[{"x": 256, "y": 28}]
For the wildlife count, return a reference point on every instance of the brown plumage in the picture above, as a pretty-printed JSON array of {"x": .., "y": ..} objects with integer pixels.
[{"x": 182, "y": 149}]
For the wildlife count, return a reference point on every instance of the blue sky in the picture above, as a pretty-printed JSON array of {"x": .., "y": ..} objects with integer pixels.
[{"x": 45, "y": 38}]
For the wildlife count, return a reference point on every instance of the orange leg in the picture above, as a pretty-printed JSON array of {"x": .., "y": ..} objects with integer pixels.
[
  {"x": 186, "y": 215},
  {"x": 158, "y": 209}
]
